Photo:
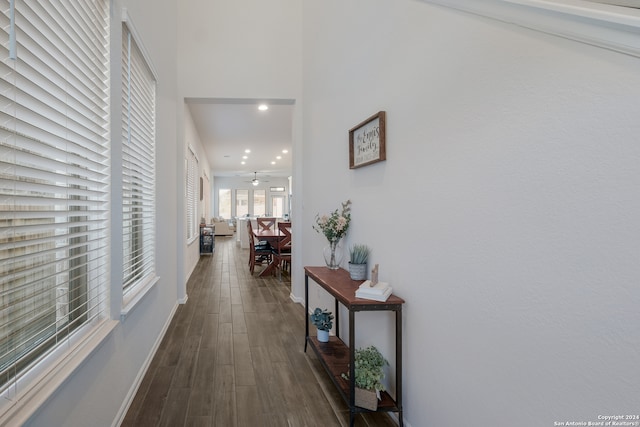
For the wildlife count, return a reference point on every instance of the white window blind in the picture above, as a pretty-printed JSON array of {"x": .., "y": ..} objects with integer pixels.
[
  {"x": 192, "y": 194},
  {"x": 138, "y": 163},
  {"x": 54, "y": 156}
]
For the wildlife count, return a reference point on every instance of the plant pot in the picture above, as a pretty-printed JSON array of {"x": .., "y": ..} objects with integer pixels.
[
  {"x": 358, "y": 271},
  {"x": 323, "y": 336},
  {"x": 366, "y": 399}
]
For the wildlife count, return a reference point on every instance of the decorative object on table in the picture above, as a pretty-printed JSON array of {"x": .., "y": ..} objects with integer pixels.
[
  {"x": 334, "y": 226},
  {"x": 358, "y": 257},
  {"x": 323, "y": 321},
  {"x": 369, "y": 372},
  {"x": 378, "y": 292},
  {"x": 374, "y": 275},
  {"x": 367, "y": 141}
]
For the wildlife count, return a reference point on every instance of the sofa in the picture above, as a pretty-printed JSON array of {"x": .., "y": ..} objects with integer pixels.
[{"x": 223, "y": 227}]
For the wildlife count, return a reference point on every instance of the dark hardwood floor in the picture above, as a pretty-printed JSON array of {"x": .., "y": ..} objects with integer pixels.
[{"x": 234, "y": 356}]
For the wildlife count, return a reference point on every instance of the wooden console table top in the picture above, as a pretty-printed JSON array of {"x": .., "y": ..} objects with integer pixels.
[{"x": 339, "y": 284}]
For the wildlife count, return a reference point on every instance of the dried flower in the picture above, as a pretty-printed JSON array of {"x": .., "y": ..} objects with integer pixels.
[{"x": 335, "y": 225}]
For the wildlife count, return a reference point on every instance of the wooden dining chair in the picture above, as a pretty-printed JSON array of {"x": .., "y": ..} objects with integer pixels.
[
  {"x": 259, "y": 251},
  {"x": 266, "y": 223},
  {"x": 282, "y": 249}
]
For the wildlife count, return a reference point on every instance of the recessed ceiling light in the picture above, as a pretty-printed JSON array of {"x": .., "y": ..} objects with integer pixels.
[
  {"x": 278, "y": 157},
  {"x": 245, "y": 157},
  {"x": 273, "y": 163},
  {"x": 243, "y": 163},
  {"x": 263, "y": 107},
  {"x": 247, "y": 151},
  {"x": 285, "y": 151}
]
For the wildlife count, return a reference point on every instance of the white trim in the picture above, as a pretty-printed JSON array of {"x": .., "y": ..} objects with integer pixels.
[
  {"x": 45, "y": 384},
  {"x": 296, "y": 299},
  {"x": 610, "y": 27},
  {"x": 126, "y": 18},
  {"x": 126, "y": 404},
  {"x": 137, "y": 293}
]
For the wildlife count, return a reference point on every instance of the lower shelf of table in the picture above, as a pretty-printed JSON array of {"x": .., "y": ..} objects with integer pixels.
[{"x": 334, "y": 356}]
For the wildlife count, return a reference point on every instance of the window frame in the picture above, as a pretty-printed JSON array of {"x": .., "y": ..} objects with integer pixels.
[
  {"x": 136, "y": 291},
  {"x": 191, "y": 194},
  {"x": 33, "y": 386},
  {"x": 228, "y": 197}
]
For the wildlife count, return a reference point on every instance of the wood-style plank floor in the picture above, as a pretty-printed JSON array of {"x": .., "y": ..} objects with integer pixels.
[{"x": 233, "y": 356}]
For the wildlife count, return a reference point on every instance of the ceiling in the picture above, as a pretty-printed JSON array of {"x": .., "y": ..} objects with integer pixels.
[{"x": 228, "y": 127}]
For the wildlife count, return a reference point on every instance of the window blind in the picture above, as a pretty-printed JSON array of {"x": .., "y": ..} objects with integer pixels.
[
  {"x": 138, "y": 163},
  {"x": 54, "y": 174}
]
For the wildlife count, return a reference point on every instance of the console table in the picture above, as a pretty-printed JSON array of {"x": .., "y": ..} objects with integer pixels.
[{"x": 335, "y": 355}]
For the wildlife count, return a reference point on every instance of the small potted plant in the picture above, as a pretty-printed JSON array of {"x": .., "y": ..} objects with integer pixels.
[
  {"x": 358, "y": 258},
  {"x": 369, "y": 372},
  {"x": 323, "y": 320}
]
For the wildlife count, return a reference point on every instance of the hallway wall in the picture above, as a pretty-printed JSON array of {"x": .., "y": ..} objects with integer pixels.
[
  {"x": 505, "y": 214},
  {"x": 98, "y": 390}
]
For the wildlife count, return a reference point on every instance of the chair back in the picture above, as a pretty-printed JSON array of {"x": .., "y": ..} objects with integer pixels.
[
  {"x": 266, "y": 223},
  {"x": 252, "y": 244},
  {"x": 284, "y": 244}
]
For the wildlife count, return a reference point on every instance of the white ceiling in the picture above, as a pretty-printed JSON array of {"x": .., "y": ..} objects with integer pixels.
[{"x": 228, "y": 127}]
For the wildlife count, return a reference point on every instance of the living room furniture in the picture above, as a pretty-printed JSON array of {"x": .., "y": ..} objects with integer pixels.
[
  {"x": 259, "y": 251},
  {"x": 265, "y": 223},
  {"x": 223, "y": 227},
  {"x": 282, "y": 248},
  {"x": 334, "y": 355},
  {"x": 273, "y": 237}
]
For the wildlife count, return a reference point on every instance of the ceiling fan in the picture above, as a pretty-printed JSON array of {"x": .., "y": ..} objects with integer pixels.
[{"x": 255, "y": 180}]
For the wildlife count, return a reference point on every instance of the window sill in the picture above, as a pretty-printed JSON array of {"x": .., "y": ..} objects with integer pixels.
[
  {"x": 20, "y": 402},
  {"x": 133, "y": 297},
  {"x": 610, "y": 27}
]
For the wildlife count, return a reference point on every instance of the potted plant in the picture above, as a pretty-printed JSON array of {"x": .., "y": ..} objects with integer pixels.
[
  {"x": 323, "y": 320},
  {"x": 358, "y": 258},
  {"x": 369, "y": 372}
]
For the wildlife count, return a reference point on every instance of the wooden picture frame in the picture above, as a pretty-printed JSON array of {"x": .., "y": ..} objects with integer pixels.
[{"x": 367, "y": 141}]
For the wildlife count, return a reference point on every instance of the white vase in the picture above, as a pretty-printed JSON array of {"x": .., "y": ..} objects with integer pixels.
[{"x": 323, "y": 336}]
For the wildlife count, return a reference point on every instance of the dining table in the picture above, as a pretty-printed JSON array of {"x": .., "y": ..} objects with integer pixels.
[{"x": 273, "y": 237}]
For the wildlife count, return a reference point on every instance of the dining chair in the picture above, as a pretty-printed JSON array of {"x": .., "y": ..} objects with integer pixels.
[
  {"x": 259, "y": 251},
  {"x": 282, "y": 249},
  {"x": 266, "y": 223}
]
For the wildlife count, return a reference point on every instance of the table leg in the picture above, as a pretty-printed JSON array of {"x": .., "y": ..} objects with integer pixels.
[
  {"x": 352, "y": 368},
  {"x": 399, "y": 365},
  {"x": 306, "y": 311},
  {"x": 337, "y": 319}
]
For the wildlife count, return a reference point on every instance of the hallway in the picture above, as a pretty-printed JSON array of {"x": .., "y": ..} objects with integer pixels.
[{"x": 233, "y": 356}]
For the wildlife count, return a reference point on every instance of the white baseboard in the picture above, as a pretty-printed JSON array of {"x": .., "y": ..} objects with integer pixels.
[
  {"x": 296, "y": 299},
  {"x": 143, "y": 371}
]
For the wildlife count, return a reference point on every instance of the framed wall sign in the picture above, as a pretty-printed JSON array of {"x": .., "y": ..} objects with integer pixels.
[{"x": 367, "y": 141}]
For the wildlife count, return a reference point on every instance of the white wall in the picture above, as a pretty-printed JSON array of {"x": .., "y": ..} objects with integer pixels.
[
  {"x": 505, "y": 215},
  {"x": 97, "y": 391},
  {"x": 192, "y": 139},
  {"x": 240, "y": 49}
]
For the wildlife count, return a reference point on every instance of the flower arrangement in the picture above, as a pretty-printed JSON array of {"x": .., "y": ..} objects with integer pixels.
[{"x": 335, "y": 225}]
